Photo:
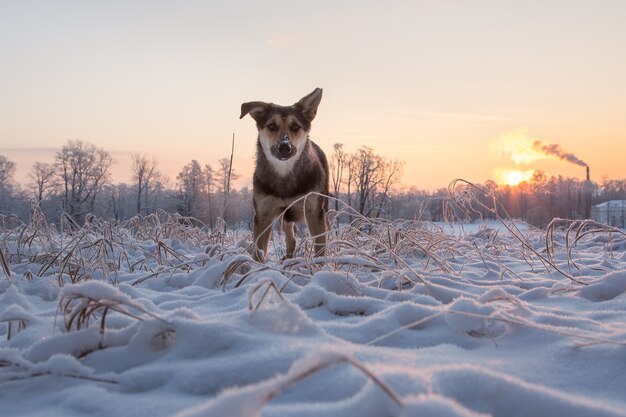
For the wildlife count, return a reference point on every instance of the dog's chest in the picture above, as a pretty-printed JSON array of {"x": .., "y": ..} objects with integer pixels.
[
  {"x": 302, "y": 176},
  {"x": 283, "y": 169}
]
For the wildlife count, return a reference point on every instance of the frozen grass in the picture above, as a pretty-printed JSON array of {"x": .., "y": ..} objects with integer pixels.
[
  {"x": 101, "y": 249},
  {"x": 575, "y": 232}
]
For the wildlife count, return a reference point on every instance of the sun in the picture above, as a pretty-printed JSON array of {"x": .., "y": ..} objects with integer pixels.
[{"x": 513, "y": 177}]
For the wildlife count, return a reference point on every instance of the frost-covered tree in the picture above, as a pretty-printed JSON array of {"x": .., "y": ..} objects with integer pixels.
[
  {"x": 372, "y": 177},
  {"x": 337, "y": 164},
  {"x": 209, "y": 174},
  {"x": 45, "y": 181},
  {"x": 84, "y": 170},
  {"x": 191, "y": 184},
  {"x": 8, "y": 187},
  {"x": 224, "y": 177},
  {"x": 146, "y": 177},
  {"x": 7, "y": 173}
]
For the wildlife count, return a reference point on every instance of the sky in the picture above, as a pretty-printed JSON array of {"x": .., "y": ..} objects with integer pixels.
[{"x": 437, "y": 84}]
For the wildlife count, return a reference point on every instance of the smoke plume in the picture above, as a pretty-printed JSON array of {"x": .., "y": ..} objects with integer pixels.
[{"x": 552, "y": 149}]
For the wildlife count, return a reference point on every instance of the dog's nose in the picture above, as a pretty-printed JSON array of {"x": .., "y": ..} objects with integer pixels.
[{"x": 284, "y": 147}]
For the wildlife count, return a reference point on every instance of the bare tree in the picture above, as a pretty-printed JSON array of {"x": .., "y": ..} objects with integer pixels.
[
  {"x": 350, "y": 163},
  {"x": 224, "y": 176},
  {"x": 368, "y": 178},
  {"x": 8, "y": 187},
  {"x": 390, "y": 177},
  {"x": 84, "y": 170},
  {"x": 145, "y": 175},
  {"x": 191, "y": 184},
  {"x": 7, "y": 172},
  {"x": 337, "y": 164},
  {"x": 45, "y": 180},
  {"x": 118, "y": 201},
  {"x": 368, "y": 175},
  {"x": 209, "y": 175}
]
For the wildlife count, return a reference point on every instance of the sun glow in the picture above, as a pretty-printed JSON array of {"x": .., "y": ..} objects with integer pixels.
[
  {"x": 518, "y": 145},
  {"x": 513, "y": 177}
]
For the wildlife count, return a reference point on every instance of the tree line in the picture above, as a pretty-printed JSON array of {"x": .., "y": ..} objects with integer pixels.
[
  {"x": 78, "y": 183},
  {"x": 362, "y": 183}
]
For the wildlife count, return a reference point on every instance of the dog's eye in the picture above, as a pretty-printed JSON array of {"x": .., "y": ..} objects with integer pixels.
[
  {"x": 294, "y": 128},
  {"x": 272, "y": 127}
]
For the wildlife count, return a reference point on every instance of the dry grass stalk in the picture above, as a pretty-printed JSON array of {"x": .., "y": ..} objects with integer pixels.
[
  {"x": 410, "y": 325},
  {"x": 5, "y": 265},
  {"x": 182, "y": 266},
  {"x": 79, "y": 309},
  {"x": 580, "y": 229},
  {"x": 269, "y": 286},
  {"x": 328, "y": 362},
  {"x": 250, "y": 273},
  {"x": 15, "y": 371},
  {"x": 232, "y": 268},
  {"x": 19, "y": 322}
]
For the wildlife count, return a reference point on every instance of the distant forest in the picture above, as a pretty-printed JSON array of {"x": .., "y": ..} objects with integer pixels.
[{"x": 78, "y": 184}]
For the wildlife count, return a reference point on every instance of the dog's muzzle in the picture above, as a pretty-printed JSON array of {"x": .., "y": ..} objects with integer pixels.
[{"x": 284, "y": 149}]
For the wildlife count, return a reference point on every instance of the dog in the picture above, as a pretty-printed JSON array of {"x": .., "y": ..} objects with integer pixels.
[{"x": 289, "y": 166}]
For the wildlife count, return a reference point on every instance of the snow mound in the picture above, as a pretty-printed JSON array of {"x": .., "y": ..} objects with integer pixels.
[{"x": 605, "y": 288}]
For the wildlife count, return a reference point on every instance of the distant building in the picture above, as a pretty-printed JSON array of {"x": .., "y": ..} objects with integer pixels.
[{"x": 611, "y": 212}]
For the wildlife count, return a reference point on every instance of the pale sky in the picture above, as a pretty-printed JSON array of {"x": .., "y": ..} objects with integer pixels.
[{"x": 432, "y": 83}]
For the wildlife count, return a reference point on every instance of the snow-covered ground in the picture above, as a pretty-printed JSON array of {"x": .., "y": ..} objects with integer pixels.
[{"x": 412, "y": 319}]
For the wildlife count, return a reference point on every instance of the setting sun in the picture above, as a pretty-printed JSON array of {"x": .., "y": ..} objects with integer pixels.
[{"x": 513, "y": 177}]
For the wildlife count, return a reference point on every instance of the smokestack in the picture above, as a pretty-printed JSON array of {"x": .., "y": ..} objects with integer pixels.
[{"x": 588, "y": 190}]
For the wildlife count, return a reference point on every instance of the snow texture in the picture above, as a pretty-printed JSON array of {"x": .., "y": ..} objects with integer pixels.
[{"x": 480, "y": 325}]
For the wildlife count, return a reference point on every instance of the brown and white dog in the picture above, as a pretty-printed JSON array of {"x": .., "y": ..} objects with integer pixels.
[{"x": 288, "y": 167}]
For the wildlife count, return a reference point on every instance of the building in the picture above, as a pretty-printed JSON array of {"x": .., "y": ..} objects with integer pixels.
[{"x": 611, "y": 212}]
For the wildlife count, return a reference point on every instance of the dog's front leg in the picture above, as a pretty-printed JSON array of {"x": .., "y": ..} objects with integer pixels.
[
  {"x": 262, "y": 231},
  {"x": 316, "y": 221},
  {"x": 290, "y": 239}
]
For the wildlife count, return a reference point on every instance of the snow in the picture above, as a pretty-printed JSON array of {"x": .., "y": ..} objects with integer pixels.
[{"x": 476, "y": 325}]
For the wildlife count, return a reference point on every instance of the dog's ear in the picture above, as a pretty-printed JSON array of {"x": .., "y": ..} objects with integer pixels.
[
  {"x": 256, "y": 109},
  {"x": 308, "y": 104}
]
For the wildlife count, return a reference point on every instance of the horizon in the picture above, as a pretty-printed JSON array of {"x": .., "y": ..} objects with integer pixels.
[
  {"x": 123, "y": 175},
  {"x": 454, "y": 90}
]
